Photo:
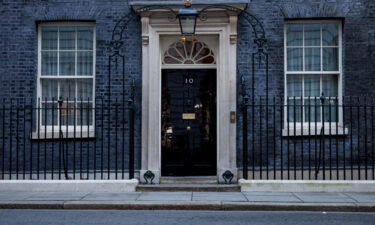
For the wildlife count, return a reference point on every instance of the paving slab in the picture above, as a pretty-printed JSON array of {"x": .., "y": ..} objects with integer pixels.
[
  {"x": 364, "y": 202},
  {"x": 105, "y": 196},
  {"x": 56, "y": 196},
  {"x": 165, "y": 196},
  {"x": 324, "y": 197},
  {"x": 219, "y": 196},
  {"x": 268, "y": 193},
  {"x": 362, "y": 197},
  {"x": 287, "y": 197},
  {"x": 14, "y": 196}
]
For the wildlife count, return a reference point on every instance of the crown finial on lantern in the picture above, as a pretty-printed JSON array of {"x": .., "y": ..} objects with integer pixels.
[{"x": 188, "y": 2}]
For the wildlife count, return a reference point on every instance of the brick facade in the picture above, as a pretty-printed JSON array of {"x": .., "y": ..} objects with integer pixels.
[{"x": 18, "y": 46}]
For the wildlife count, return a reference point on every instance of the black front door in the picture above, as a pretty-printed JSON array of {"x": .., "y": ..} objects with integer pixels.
[{"x": 188, "y": 122}]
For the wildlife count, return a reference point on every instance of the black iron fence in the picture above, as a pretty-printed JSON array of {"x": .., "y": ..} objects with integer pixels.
[
  {"x": 325, "y": 138},
  {"x": 67, "y": 139},
  {"x": 295, "y": 138}
]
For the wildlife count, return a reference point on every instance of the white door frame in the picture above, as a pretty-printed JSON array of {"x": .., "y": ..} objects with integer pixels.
[{"x": 225, "y": 28}]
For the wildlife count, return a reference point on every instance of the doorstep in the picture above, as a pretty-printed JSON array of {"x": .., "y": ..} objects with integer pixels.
[{"x": 189, "y": 187}]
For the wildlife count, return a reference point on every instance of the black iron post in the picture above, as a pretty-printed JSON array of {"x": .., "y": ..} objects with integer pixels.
[
  {"x": 131, "y": 133},
  {"x": 61, "y": 136},
  {"x": 245, "y": 105},
  {"x": 321, "y": 146}
]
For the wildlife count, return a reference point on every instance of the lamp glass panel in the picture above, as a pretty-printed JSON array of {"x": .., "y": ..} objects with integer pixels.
[{"x": 187, "y": 24}]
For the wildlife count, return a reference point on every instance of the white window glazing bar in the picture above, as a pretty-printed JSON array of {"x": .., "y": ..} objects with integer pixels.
[{"x": 303, "y": 48}]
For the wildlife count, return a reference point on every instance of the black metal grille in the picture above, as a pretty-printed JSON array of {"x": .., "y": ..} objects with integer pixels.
[
  {"x": 79, "y": 140},
  {"x": 276, "y": 145}
]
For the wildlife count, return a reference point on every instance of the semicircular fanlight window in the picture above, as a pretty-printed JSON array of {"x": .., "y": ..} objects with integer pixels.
[{"x": 189, "y": 52}]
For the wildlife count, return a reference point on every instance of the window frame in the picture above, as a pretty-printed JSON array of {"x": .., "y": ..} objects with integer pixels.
[
  {"x": 302, "y": 128},
  {"x": 52, "y": 131}
]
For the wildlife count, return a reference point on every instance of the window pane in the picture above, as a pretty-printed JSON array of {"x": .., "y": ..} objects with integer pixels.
[
  {"x": 294, "y": 34},
  {"x": 49, "y": 63},
  {"x": 84, "y": 63},
  {"x": 312, "y": 85},
  {"x": 312, "y": 110},
  {"x": 85, "y": 89},
  {"x": 294, "y": 110},
  {"x": 84, "y": 113},
  {"x": 49, "y": 38},
  {"x": 67, "y": 38},
  {"x": 294, "y": 85},
  {"x": 312, "y": 34},
  {"x": 49, "y": 114},
  {"x": 67, "y": 63},
  {"x": 330, "y": 110},
  {"x": 312, "y": 59},
  {"x": 49, "y": 90},
  {"x": 294, "y": 59},
  {"x": 330, "y": 85},
  {"x": 330, "y": 59},
  {"x": 84, "y": 38},
  {"x": 68, "y": 89},
  {"x": 330, "y": 34},
  {"x": 67, "y": 114}
]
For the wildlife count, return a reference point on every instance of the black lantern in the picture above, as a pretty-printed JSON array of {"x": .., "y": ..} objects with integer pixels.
[{"x": 188, "y": 19}]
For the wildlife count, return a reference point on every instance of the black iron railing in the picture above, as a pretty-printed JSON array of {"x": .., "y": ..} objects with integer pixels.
[
  {"x": 325, "y": 138},
  {"x": 67, "y": 139},
  {"x": 312, "y": 138}
]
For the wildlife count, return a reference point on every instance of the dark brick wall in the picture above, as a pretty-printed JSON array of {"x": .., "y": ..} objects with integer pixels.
[{"x": 18, "y": 46}]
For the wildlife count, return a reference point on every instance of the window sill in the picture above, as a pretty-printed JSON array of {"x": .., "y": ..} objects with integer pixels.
[
  {"x": 55, "y": 135},
  {"x": 305, "y": 130}
]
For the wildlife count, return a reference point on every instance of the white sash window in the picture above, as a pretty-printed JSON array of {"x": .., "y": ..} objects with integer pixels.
[
  {"x": 312, "y": 69},
  {"x": 66, "y": 71}
]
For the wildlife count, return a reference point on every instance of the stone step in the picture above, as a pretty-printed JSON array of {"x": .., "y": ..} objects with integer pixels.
[
  {"x": 188, "y": 187},
  {"x": 189, "y": 180}
]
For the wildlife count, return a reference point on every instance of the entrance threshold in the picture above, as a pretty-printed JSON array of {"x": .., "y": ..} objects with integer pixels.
[
  {"x": 189, "y": 183},
  {"x": 189, "y": 180},
  {"x": 189, "y": 188}
]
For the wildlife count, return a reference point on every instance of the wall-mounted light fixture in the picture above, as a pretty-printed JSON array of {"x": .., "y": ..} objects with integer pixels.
[{"x": 187, "y": 18}]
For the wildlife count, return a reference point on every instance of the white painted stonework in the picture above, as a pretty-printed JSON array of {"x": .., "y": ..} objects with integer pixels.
[
  {"x": 307, "y": 185},
  {"x": 69, "y": 185},
  {"x": 157, "y": 32}
]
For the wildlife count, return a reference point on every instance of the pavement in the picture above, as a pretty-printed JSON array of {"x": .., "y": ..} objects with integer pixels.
[{"x": 242, "y": 201}]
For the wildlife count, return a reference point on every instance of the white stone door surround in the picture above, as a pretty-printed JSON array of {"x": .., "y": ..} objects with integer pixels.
[{"x": 156, "y": 25}]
